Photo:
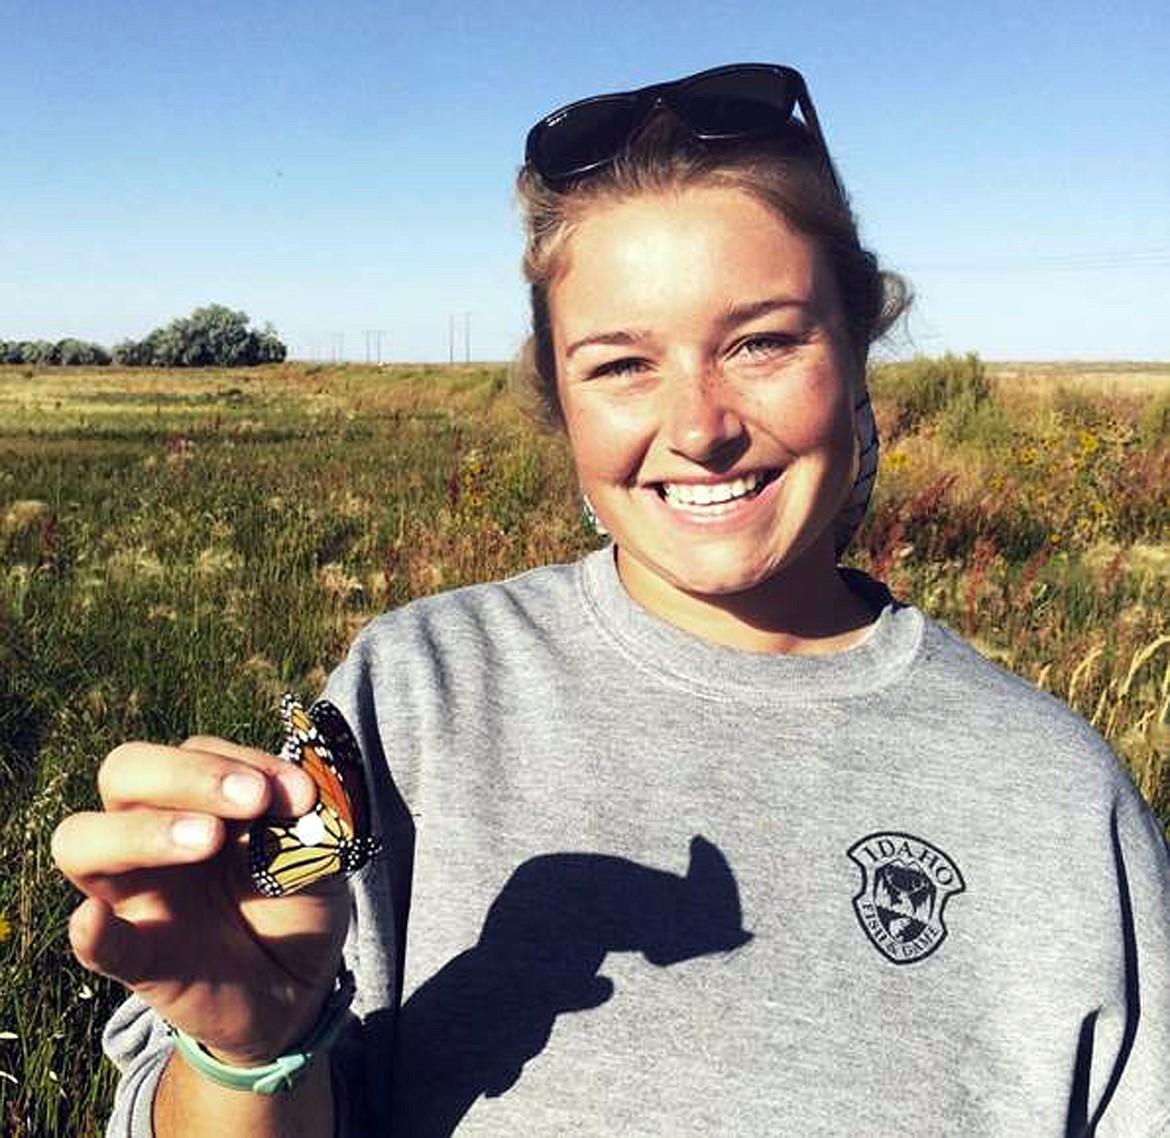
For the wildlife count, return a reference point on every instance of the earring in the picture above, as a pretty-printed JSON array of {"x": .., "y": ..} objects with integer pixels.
[
  {"x": 851, "y": 514},
  {"x": 589, "y": 515}
]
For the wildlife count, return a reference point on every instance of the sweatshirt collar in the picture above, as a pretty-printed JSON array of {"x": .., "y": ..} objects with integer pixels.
[{"x": 679, "y": 657}]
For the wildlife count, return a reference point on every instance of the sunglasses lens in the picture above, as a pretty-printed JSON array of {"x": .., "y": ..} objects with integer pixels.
[
  {"x": 739, "y": 101},
  {"x": 735, "y": 103},
  {"x": 582, "y": 136}
]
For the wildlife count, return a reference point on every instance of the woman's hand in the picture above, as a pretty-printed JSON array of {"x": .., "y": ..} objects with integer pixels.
[{"x": 170, "y": 908}]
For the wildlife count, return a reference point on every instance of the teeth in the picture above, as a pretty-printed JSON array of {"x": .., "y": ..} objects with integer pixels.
[{"x": 705, "y": 494}]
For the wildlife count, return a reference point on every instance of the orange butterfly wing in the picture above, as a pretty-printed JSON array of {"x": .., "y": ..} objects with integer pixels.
[{"x": 282, "y": 860}]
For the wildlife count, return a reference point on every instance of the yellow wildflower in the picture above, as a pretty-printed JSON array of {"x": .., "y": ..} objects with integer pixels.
[{"x": 5, "y": 928}]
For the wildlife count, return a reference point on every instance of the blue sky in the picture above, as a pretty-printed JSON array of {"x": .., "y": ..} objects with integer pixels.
[{"x": 340, "y": 168}]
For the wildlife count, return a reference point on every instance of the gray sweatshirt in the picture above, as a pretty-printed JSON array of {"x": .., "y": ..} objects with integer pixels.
[{"x": 636, "y": 884}]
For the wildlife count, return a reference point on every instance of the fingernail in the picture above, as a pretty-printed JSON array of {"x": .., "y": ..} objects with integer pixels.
[
  {"x": 242, "y": 789},
  {"x": 192, "y": 833}
]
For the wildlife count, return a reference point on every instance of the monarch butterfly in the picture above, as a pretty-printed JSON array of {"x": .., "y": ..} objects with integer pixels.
[{"x": 286, "y": 854}]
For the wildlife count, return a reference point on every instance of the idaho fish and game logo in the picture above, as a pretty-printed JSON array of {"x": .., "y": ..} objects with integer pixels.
[{"x": 905, "y": 886}]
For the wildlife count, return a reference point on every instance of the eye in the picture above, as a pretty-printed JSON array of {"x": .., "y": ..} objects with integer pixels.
[
  {"x": 767, "y": 344},
  {"x": 628, "y": 365}
]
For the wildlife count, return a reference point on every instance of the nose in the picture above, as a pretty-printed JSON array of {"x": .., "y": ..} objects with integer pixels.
[{"x": 703, "y": 422}]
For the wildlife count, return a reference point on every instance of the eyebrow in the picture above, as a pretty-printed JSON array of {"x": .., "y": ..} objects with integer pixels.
[
  {"x": 752, "y": 310},
  {"x": 735, "y": 315},
  {"x": 625, "y": 336}
]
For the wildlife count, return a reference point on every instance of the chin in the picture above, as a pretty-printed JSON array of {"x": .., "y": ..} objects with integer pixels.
[
  {"x": 803, "y": 559},
  {"x": 714, "y": 582},
  {"x": 716, "y": 577}
]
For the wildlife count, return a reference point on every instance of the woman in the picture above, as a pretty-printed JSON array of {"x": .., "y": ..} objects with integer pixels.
[{"x": 701, "y": 835}]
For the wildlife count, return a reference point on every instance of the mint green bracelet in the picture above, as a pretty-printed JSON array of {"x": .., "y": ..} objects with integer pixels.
[{"x": 284, "y": 1072}]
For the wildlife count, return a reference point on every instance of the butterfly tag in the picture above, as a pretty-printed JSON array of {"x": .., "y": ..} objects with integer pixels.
[{"x": 287, "y": 854}]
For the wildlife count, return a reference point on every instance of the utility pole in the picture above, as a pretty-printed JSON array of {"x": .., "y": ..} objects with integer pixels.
[
  {"x": 374, "y": 336},
  {"x": 459, "y": 322}
]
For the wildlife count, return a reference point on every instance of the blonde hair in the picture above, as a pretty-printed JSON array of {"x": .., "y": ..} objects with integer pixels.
[{"x": 785, "y": 172}]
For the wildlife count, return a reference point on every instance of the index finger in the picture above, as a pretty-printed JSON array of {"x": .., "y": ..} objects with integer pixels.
[
  {"x": 244, "y": 784},
  {"x": 294, "y": 792}
]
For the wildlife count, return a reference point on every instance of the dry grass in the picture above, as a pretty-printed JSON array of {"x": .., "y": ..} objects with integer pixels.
[
  {"x": 1127, "y": 382},
  {"x": 177, "y": 548}
]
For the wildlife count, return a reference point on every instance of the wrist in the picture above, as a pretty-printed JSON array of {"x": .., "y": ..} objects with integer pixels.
[
  {"x": 248, "y": 1071},
  {"x": 297, "y": 1027}
]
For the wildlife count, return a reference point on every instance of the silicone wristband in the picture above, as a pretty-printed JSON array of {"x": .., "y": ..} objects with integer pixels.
[{"x": 284, "y": 1072}]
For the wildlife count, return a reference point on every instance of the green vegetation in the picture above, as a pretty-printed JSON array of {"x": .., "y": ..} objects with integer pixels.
[
  {"x": 917, "y": 391},
  {"x": 177, "y": 548},
  {"x": 213, "y": 336},
  {"x": 47, "y": 353},
  {"x": 1155, "y": 421}
]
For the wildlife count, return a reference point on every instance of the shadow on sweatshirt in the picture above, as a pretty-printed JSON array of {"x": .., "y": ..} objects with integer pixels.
[{"x": 470, "y": 1028}]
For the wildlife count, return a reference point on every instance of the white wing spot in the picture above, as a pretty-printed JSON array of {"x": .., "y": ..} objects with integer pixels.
[{"x": 310, "y": 830}]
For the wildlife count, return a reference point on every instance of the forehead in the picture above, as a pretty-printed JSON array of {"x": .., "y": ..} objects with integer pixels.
[{"x": 682, "y": 249}]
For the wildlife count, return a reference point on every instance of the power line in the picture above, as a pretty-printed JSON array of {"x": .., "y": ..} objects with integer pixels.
[
  {"x": 374, "y": 336},
  {"x": 1054, "y": 262}
]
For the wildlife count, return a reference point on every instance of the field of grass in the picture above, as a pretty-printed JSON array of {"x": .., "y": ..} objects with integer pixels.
[{"x": 178, "y": 548}]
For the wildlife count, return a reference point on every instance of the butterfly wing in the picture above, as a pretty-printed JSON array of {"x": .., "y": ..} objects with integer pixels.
[
  {"x": 346, "y": 764},
  {"x": 282, "y": 862},
  {"x": 333, "y": 793},
  {"x": 287, "y": 853}
]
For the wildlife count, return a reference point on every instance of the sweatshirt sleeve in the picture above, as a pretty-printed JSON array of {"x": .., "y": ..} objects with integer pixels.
[
  {"x": 136, "y": 1041},
  {"x": 1134, "y": 1097}
]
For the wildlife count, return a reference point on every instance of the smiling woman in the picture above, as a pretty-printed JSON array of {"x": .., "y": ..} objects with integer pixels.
[
  {"x": 712, "y": 418},
  {"x": 704, "y": 834},
  {"x": 750, "y": 247}
]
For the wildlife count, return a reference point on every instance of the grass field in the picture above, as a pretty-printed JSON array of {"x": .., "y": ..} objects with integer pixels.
[{"x": 178, "y": 548}]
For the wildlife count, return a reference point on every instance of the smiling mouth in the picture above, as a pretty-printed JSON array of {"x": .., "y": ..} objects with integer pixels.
[{"x": 715, "y": 493}]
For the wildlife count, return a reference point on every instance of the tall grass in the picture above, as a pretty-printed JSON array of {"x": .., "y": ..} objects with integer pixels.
[{"x": 176, "y": 549}]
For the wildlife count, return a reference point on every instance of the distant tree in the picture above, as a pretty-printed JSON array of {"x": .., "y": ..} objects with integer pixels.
[
  {"x": 270, "y": 349},
  {"x": 129, "y": 353},
  {"x": 214, "y": 335},
  {"x": 81, "y": 353},
  {"x": 69, "y": 352},
  {"x": 40, "y": 352}
]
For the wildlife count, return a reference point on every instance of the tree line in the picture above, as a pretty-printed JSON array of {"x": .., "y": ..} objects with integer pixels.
[{"x": 212, "y": 336}]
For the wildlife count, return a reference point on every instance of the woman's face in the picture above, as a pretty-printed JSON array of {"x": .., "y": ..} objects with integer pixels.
[{"x": 707, "y": 388}]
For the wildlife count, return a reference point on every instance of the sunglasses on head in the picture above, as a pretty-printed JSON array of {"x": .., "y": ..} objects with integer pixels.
[{"x": 739, "y": 101}]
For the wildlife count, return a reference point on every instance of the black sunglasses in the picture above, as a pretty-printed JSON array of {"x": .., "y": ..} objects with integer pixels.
[{"x": 739, "y": 101}]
